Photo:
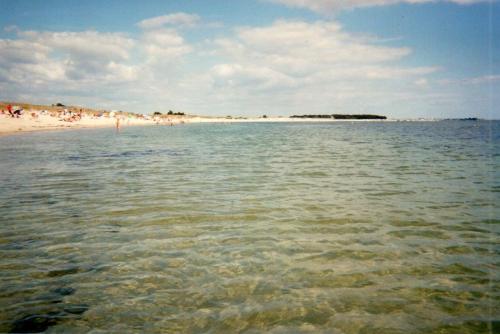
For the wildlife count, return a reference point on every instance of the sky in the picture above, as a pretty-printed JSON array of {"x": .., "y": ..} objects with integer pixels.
[{"x": 399, "y": 58}]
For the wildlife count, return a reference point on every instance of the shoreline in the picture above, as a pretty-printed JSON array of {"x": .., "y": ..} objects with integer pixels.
[
  {"x": 34, "y": 121},
  {"x": 13, "y": 126}
]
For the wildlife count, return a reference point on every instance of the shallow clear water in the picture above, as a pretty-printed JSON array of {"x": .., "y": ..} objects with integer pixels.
[{"x": 335, "y": 228}]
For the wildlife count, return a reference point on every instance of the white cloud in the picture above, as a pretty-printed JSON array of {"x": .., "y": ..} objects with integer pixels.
[
  {"x": 324, "y": 41},
  {"x": 86, "y": 66},
  {"x": 277, "y": 69},
  {"x": 330, "y": 6},
  {"x": 300, "y": 47},
  {"x": 88, "y": 56},
  {"x": 250, "y": 77},
  {"x": 22, "y": 61},
  {"x": 164, "y": 44},
  {"x": 91, "y": 44},
  {"x": 292, "y": 64},
  {"x": 177, "y": 20},
  {"x": 21, "y": 51},
  {"x": 287, "y": 67},
  {"x": 49, "y": 56}
]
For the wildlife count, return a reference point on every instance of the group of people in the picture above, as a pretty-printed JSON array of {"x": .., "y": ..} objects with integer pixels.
[
  {"x": 76, "y": 115},
  {"x": 13, "y": 111},
  {"x": 69, "y": 116},
  {"x": 63, "y": 115}
]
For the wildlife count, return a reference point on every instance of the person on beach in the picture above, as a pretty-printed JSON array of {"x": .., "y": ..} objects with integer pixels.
[
  {"x": 9, "y": 110},
  {"x": 18, "y": 111},
  {"x": 117, "y": 124}
]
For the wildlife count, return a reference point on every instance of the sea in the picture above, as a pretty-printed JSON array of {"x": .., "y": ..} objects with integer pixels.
[{"x": 328, "y": 227}]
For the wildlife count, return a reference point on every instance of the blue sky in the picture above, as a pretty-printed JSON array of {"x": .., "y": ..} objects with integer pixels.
[{"x": 401, "y": 58}]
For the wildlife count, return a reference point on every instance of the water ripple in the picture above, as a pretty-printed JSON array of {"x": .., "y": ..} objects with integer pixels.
[{"x": 307, "y": 228}]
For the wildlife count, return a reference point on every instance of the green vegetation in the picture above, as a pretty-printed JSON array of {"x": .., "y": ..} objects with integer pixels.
[
  {"x": 341, "y": 116},
  {"x": 170, "y": 112}
]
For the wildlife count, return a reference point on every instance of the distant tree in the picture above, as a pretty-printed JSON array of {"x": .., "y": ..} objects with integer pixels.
[
  {"x": 264, "y": 116},
  {"x": 341, "y": 116},
  {"x": 59, "y": 104},
  {"x": 170, "y": 112},
  {"x": 157, "y": 113}
]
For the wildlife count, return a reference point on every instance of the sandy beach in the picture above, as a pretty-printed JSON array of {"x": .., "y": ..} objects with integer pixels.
[
  {"x": 44, "y": 118},
  {"x": 27, "y": 123},
  {"x": 40, "y": 122}
]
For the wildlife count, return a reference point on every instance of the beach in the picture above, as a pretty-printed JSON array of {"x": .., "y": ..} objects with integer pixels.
[
  {"x": 47, "y": 118},
  {"x": 9, "y": 125},
  {"x": 44, "y": 118},
  {"x": 27, "y": 123}
]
